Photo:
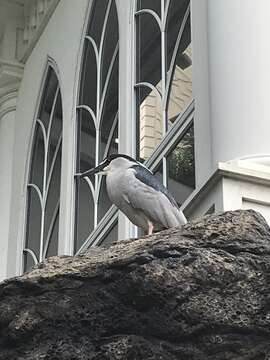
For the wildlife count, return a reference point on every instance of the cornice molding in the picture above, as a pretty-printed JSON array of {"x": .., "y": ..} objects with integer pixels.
[
  {"x": 37, "y": 16},
  {"x": 28, "y": 19},
  {"x": 230, "y": 171}
]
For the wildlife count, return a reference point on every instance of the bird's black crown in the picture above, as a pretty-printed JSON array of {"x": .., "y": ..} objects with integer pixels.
[{"x": 115, "y": 156}]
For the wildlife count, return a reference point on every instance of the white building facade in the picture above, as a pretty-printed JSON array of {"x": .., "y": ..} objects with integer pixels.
[{"x": 179, "y": 84}]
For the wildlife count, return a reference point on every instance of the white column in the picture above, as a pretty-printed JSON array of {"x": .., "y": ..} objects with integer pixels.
[
  {"x": 239, "y": 72},
  {"x": 200, "y": 89},
  {"x": 126, "y": 122},
  {"x": 231, "y": 64},
  {"x": 7, "y": 124}
]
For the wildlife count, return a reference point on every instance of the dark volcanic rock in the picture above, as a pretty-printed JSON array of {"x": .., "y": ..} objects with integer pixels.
[{"x": 197, "y": 293}]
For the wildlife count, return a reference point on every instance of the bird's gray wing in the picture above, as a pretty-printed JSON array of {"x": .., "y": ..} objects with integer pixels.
[
  {"x": 146, "y": 176},
  {"x": 146, "y": 193}
]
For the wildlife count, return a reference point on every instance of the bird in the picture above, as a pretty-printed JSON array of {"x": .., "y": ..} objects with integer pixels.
[{"x": 134, "y": 189}]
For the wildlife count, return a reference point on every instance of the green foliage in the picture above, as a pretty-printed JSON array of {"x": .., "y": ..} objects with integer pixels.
[{"x": 181, "y": 160}]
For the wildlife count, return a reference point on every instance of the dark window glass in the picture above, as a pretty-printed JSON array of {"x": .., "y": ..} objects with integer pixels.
[
  {"x": 85, "y": 213},
  {"x": 37, "y": 161},
  {"x": 104, "y": 203},
  {"x": 159, "y": 172},
  {"x": 113, "y": 148},
  {"x": 55, "y": 133},
  {"x": 97, "y": 18},
  {"x": 148, "y": 50},
  {"x": 149, "y": 4},
  {"x": 110, "y": 42},
  {"x": 87, "y": 141},
  {"x": 110, "y": 109},
  {"x": 34, "y": 215},
  {"x": 175, "y": 18},
  {"x": 42, "y": 221},
  {"x": 48, "y": 96},
  {"x": 211, "y": 210},
  {"x": 88, "y": 94},
  {"x": 111, "y": 236},
  {"x": 181, "y": 169},
  {"x": 28, "y": 261},
  {"x": 52, "y": 199},
  {"x": 51, "y": 248}
]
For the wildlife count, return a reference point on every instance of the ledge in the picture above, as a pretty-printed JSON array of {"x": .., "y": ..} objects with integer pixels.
[{"x": 227, "y": 170}]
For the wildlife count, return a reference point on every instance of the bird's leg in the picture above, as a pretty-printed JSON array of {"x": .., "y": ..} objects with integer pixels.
[{"x": 150, "y": 227}]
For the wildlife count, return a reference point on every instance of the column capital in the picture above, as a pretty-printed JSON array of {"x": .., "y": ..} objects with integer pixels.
[
  {"x": 10, "y": 77},
  {"x": 8, "y": 99},
  {"x": 10, "y": 72}
]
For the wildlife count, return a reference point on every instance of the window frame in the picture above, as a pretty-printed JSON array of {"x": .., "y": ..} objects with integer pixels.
[
  {"x": 21, "y": 249},
  {"x": 185, "y": 119},
  {"x": 110, "y": 218}
]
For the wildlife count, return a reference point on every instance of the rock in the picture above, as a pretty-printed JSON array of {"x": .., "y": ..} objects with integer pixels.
[{"x": 202, "y": 292}]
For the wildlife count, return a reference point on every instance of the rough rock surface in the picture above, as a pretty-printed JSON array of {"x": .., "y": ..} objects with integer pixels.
[{"x": 202, "y": 292}]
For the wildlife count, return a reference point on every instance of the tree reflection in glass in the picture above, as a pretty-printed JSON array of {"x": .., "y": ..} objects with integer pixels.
[{"x": 181, "y": 167}]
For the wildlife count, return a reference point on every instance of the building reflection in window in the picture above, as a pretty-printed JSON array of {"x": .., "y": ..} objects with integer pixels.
[
  {"x": 163, "y": 86},
  {"x": 164, "y": 69}
]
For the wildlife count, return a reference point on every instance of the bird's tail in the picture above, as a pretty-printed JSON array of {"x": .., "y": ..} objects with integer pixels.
[
  {"x": 182, "y": 218},
  {"x": 175, "y": 218}
]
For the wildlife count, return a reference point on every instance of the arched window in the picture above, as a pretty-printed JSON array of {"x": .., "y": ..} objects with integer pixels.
[
  {"x": 97, "y": 122},
  {"x": 43, "y": 188},
  {"x": 163, "y": 87}
]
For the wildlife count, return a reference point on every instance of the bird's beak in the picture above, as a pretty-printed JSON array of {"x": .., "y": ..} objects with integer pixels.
[{"x": 100, "y": 169}]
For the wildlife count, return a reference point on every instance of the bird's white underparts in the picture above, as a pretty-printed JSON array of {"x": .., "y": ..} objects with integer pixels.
[{"x": 138, "y": 193}]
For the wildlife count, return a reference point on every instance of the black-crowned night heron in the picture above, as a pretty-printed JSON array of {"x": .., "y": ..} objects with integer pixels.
[{"x": 138, "y": 193}]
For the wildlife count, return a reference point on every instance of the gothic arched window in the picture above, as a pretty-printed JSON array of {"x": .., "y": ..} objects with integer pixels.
[
  {"x": 163, "y": 87},
  {"x": 43, "y": 187},
  {"x": 97, "y": 121}
]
